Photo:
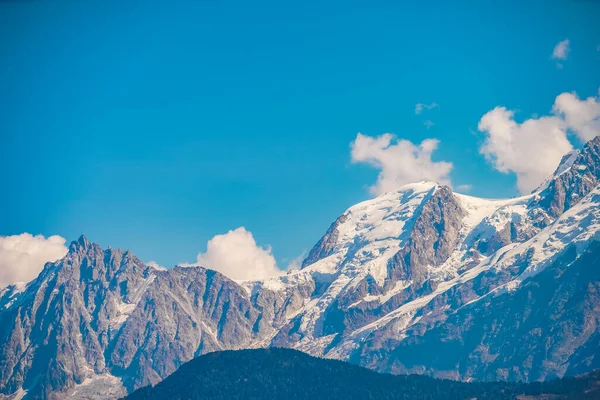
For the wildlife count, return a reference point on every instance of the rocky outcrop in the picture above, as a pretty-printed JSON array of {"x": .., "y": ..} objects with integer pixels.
[
  {"x": 183, "y": 313},
  {"x": 575, "y": 177},
  {"x": 432, "y": 239},
  {"x": 326, "y": 244}
]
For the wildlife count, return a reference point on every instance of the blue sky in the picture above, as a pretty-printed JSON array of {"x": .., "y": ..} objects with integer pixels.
[{"x": 155, "y": 126}]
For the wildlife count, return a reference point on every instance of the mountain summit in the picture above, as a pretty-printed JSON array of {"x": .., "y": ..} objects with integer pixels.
[{"x": 419, "y": 280}]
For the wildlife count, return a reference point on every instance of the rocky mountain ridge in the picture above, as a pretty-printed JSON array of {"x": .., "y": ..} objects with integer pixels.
[{"x": 420, "y": 280}]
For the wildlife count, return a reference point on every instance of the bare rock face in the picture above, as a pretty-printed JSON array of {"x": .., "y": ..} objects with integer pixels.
[
  {"x": 419, "y": 280},
  {"x": 183, "y": 313},
  {"x": 575, "y": 177},
  {"x": 54, "y": 334},
  {"x": 432, "y": 240},
  {"x": 326, "y": 245}
]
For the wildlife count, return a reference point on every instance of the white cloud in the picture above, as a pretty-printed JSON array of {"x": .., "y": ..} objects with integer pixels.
[
  {"x": 22, "y": 257},
  {"x": 561, "y": 50},
  {"x": 296, "y": 263},
  {"x": 236, "y": 255},
  {"x": 464, "y": 188},
  {"x": 428, "y": 124},
  {"x": 400, "y": 161},
  {"x": 532, "y": 149},
  {"x": 581, "y": 116},
  {"x": 156, "y": 266},
  {"x": 422, "y": 106}
]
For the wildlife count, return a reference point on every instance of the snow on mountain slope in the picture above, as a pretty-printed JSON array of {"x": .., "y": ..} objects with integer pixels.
[
  {"x": 488, "y": 238},
  {"x": 367, "y": 237},
  {"x": 369, "y": 229},
  {"x": 578, "y": 227},
  {"x": 392, "y": 277}
]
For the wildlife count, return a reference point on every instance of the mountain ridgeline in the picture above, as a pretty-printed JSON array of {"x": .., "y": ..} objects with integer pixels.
[{"x": 416, "y": 281}]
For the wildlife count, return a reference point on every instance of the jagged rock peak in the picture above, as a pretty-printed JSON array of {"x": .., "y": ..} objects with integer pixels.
[
  {"x": 82, "y": 243},
  {"x": 575, "y": 177},
  {"x": 589, "y": 154},
  {"x": 576, "y": 161}
]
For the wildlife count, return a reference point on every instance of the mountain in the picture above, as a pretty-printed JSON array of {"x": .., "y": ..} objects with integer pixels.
[
  {"x": 289, "y": 374},
  {"x": 431, "y": 282},
  {"x": 419, "y": 280},
  {"x": 100, "y": 313}
]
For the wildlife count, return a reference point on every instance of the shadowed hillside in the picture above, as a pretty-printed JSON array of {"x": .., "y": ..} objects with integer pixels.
[{"x": 290, "y": 374}]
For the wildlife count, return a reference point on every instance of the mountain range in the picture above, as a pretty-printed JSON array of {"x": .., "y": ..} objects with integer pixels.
[{"x": 420, "y": 280}]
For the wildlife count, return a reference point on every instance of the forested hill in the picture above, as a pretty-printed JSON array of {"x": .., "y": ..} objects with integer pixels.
[{"x": 290, "y": 374}]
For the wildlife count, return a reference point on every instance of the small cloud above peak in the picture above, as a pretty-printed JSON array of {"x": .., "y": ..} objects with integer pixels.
[
  {"x": 464, "y": 188},
  {"x": 156, "y": 266},
  {"x": 399, "y": 161},
  {"x": 561, "y": 52},
  {"x": 420, "y": 107},
  {"x": 296, "y": 263},
  {"x": 236, "y": 255}
]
